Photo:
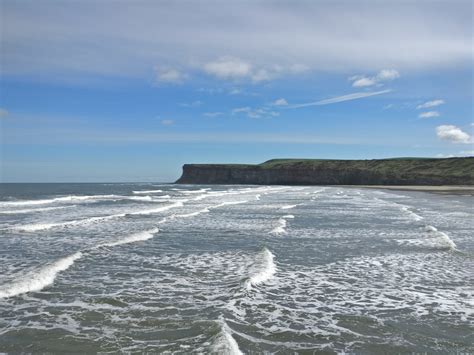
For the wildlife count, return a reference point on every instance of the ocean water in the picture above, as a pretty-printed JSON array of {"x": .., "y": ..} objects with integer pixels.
[{"x": 234, "y": 269}]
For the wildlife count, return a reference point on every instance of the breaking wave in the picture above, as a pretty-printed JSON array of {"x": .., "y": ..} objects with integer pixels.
[
  {"x": 136, "y": 237},
  {"x": 444, "y": 239},
  {"x": 45, "y": 226},
  {"x": 224, "y": 342},
  {"x": 147, "y": 192},
  {"x": 37, "y": 280},
  {"x": 281, "y": 228},
  {"x": 34, "y": 210},
  {"x": 266, "y": 272},
  {"x": 412, "y": 214}
]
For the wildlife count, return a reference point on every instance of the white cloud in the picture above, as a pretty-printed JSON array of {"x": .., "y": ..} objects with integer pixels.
[
  {"x": 441, "y": 155},
  {"x": 255, "y": 112},
  {"x": 56, "y": 40},
  {"x": 213, "y": 114},
  {"x": 381, "y": 76},
  {"x": 228, "y": 68},
  {"x": 262, "y": 75},
  {"x": 3, "y": 113},
  {"x": 363, "y": 82},
  {"x": 453, "y": 134},
  {"x": 387, "y": 74},
  {"x": 429, "y": 114},
  {"x": 429, "y": 104},
  {"x": 462, "y": 153},
  {"x": 240, "y": 110},
  {"x": 167, "y": 122},
  {"x": 280, "y": 102},
  {"x": 169, "y": 75},
  {"x": 233, "y": 68},
  {"x": 334, "y": 100}
]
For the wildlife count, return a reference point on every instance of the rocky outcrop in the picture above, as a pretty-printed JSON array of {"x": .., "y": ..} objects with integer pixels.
[{"x": 402, "y": 171}]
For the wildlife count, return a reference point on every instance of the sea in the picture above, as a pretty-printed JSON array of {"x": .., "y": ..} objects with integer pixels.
[{"x": 231, "y": 269}]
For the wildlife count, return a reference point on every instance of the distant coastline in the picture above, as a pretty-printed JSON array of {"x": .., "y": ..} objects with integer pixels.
[{"x": 396, "y": 173}]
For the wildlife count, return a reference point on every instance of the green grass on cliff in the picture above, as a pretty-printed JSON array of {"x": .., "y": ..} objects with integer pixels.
[
  {"x": 425, "y": 166},
  {"x": 463, "y": 167}
]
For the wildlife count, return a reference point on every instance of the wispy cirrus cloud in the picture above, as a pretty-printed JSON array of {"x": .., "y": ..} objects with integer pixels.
[
  {"x": 170, "y": 75},
  {"x": 255, "y": 112},
  {"x": 429, "y": 104},
  {"x": 57, "y": 39},
  {"x": 280, "y": 102},
  {"x": 429, "y": 114},
  {"x": 337, "y": 99}
]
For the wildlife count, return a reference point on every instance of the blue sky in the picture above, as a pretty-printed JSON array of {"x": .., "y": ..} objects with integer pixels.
[{"x": 130, "y": 91}]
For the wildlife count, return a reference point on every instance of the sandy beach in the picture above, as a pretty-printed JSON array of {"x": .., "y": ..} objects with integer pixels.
[{"x": 445, "y": 190}]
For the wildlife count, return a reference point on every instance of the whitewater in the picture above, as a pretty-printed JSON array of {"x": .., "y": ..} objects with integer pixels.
[{"x": 234, "y": 269}]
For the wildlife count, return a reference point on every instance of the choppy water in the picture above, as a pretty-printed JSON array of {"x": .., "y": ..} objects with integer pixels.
[{"x": 230, "y": 269}]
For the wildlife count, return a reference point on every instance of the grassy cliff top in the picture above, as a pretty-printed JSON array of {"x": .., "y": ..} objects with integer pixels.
[{"x": 425, "y": 166}]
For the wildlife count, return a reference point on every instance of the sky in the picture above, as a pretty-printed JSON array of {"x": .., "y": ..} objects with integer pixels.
[{"x": 116, "y": 91}]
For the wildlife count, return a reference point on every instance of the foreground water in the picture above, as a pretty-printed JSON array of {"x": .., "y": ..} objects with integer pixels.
[{"x": 230, "y": 269}]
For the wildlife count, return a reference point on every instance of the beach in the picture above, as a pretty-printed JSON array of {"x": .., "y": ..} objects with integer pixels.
[{"x": 445, "y": 190}]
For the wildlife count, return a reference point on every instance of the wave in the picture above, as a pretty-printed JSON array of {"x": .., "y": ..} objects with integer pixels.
[
  {"x": 38, "y": 280},
  {"x": 136, "y": 237},
  {"x": 155, "y": 210},
  {"x": 33, "y": 210},
  {"x": 46, "y": 226},
  {"x": 192, "y": 214},
  {"x": 70, "y": 198},
  {"x": 147, "y": 192},
  {"x": 190, "y": 192},
  {"x": 74, "y": 198},
  {"x": 412, "y": 214},
  {"x": 229, "y": 203},
  {"x": 224, "y": 342},
  {"x": 140, "y": 198},
  {"x": 443, "y": 238},
  {"x": 268, "y": 269},
  {"x": 433, "y": 239},
  {"x": 281, "y": 228},
  {"x": 288, "y": 207}
]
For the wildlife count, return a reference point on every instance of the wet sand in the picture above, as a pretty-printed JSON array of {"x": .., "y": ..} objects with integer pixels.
[{"x": 444, "y": 190}]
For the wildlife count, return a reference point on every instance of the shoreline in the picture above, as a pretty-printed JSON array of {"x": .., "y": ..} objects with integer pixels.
[{"x": 443, "y": 189}]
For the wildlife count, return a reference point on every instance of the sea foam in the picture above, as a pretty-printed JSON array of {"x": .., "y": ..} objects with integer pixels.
[
  {"x": 136, "y": 237},
  {"x": 266, "y": 272},
  {"x": 281, "y": 228},
  {"x": 443, "y": 238},
  {"x": 147, "y": 192},
  {"x": 225, "y": 343},
  {"x": 39, "y": 279}
]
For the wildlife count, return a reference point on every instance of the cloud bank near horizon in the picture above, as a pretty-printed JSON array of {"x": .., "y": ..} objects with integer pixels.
[{"x": 230, "y": 40}]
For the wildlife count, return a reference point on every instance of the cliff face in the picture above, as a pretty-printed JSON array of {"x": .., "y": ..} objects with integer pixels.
[{"x": 408, "y": 171}]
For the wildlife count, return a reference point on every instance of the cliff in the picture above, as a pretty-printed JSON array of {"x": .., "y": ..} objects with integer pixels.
[{"x": 398, "y": 171}]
